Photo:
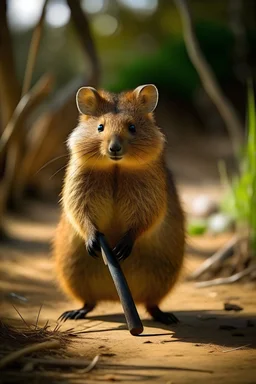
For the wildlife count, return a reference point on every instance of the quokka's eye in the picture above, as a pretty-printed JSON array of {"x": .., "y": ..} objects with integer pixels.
[
  {"x": 101, "y": 128},
  {"x": 132, "y": 128}
]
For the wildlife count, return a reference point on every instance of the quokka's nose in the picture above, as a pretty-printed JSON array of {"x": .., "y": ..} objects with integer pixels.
[{"x": 115, "y": 147}]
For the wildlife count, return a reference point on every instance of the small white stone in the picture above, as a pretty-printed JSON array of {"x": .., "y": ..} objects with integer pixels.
[
  {"x": 219, "y": 223},
  {"x": 203, "y": 206}
]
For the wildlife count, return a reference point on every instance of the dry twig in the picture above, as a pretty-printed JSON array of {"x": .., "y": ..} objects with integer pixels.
[
  {"x": 13, "y": 160},
  {"x": 220, "y": 255},
  {"x": 226, "y": 280},
  {"x": 85, "y": 365},
  {"x": 208, "y": 78},
  {"x": 10, "y": 358},
  {"x": 48, "y": 133},
  {"x": 27, "y": 104},
  {"x": 22, "y": 318},
  {"x": 91, "y": 366},
  {"x": 82, "y": 27},
  {"x": 235, "y": 349},
  {"x": 33, "y": 51}
]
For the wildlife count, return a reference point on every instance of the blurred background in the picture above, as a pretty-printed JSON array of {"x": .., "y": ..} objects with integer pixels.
[{"x": 118, "y": 45}]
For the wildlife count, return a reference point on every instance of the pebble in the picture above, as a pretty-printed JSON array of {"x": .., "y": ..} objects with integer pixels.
[
  {"x": 203, "y": 206},
  {"x": 219, "y": 223}
]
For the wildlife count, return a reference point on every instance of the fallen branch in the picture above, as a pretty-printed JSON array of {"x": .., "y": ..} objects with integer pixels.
[
  {"x": 237, "y": 348},
  {"x": 194, "y": 250},
  {"x": 24, "y": 108},
  {"x": 85, "y": 365},
  {"x": 208, "y": 78},
  {"x": 26, "y": 350},
  {"x": 79, "y": 363},
  {"x": 92, "y": 364},
  {"x": 221, "y": 255},
  {"x": 227, "y": 280}
]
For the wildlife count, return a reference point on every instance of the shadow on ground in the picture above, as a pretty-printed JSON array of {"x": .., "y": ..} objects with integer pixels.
[{"x": 197, "y": 327}]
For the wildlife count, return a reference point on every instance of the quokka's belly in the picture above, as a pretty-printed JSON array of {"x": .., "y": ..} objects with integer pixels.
[
  {"x": 149, "y": 272},
  {"x": 151, "y": 269}
]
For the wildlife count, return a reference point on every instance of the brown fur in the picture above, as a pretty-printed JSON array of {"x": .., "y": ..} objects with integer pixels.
[{"x": 136, "y": 193}]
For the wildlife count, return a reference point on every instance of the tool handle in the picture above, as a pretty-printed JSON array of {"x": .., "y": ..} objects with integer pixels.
[{"x": 132, "y": 318}]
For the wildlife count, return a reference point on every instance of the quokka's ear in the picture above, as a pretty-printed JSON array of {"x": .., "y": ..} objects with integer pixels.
[
  {"x": 148, "y": 97},
  {"x": 88, "y": 100}
]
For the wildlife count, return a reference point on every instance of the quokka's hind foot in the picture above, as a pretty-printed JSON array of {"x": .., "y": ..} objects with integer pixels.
[
  {"x": 77, "y": 314},
  {"x": 162, "y": 317}
]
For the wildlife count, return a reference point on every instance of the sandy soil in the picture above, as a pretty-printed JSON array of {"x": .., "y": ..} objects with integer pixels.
[{"x": 196, "y": 349}]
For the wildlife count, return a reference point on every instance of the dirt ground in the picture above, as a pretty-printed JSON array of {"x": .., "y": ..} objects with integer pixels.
[{"x": 196, "y": 349}]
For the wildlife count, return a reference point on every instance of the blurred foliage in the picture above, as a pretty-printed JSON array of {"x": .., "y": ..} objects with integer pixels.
[
  {"x": 240, "y": 202},
  {"x": 175, "y": 74},
  {"x": 140, "y": 44},
  {"x": 196, "y": 227}
]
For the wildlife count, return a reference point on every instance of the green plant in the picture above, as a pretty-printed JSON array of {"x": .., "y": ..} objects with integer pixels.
[{"x": 240, "y": 201}]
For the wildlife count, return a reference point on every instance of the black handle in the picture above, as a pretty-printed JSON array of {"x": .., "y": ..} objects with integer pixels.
[{"x": 132, "y": 318}]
